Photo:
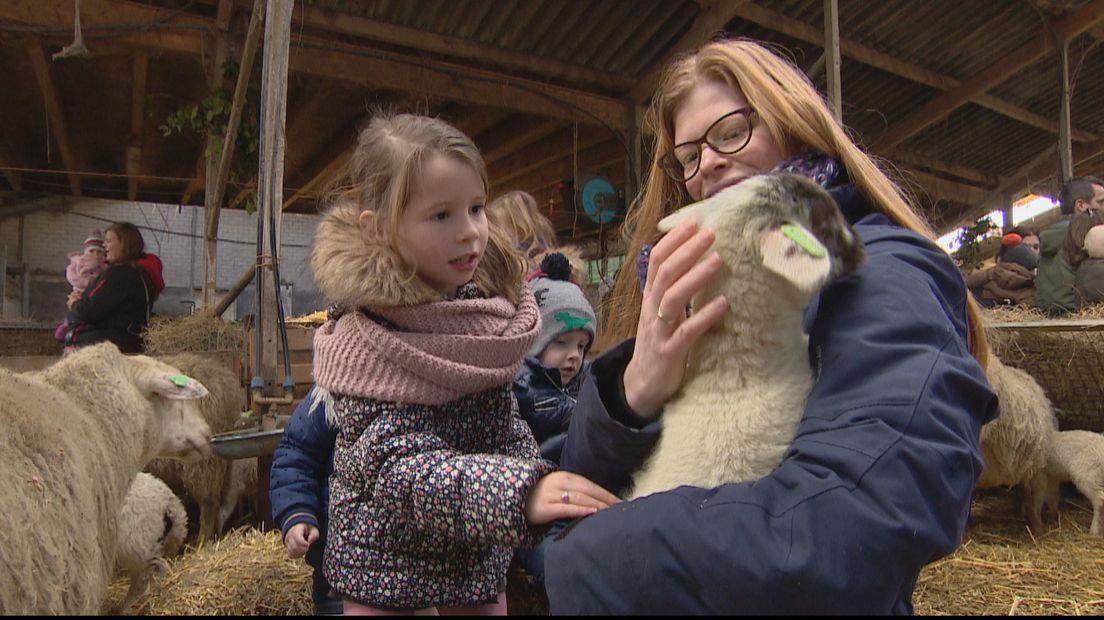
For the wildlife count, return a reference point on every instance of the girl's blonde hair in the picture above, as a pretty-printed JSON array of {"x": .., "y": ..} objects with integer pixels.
[
  {"x": 517, "y": 213},
  {"x": 380, "y": 177},
  {"x": 796, "y": 117}
]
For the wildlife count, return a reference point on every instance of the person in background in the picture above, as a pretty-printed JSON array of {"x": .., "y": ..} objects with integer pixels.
[
  {"x": 1011, "y": 281},
  {"x": 1078, "y": 247},
  {"x": 116, "y": 305},
  {"x": 547, "y": 386},
  {"x": 878, "y": 480},
  {"x": 1054, "y": 283},
  {"x": 83, "y": 267},
  {"x": 436, "y": 478},
  {"x": 300, "y": 494}
]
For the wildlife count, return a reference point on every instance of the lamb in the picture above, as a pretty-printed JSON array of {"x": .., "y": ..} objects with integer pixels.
[
  {"x": 213, "y": 482},
  {"x": 782, "y": 239},
  {"x": 1015, "y": 445},
  {"x": 1076, "y": 456},
  {"x": 152, "y": 527},
  {"x": 77, "y": 433}
]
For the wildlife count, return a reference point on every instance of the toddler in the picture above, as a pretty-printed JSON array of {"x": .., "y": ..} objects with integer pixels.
[{"x": 83, "y": 268}]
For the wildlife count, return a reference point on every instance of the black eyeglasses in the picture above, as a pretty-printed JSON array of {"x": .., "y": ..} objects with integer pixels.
[{"x": 728, "y": 134}]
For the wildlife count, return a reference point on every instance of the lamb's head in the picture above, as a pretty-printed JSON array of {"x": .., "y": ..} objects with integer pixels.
[
  {"x": 782, "y": 232},
  {"x": 184, "y": 434}
]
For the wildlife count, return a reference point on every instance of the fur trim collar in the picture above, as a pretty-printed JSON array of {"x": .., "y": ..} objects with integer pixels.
[{"x": 355, "y": 269}]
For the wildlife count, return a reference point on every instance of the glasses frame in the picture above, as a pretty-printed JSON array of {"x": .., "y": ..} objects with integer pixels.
[{"x": 676, "y": 171}]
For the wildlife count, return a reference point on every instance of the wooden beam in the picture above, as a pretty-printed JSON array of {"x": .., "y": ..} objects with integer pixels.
[
  {"x": 832, "y": 58},
  {"x": 951, "y": 191},
  {"x": 780, "y": 22},
  {"x": 139, "y": 71},
  {"x": 15, "y": 178},
  {"x": 518, "y": 133},
  {"x": 55, "y": 115},
  {"x": 360, "y": 64},
  {"x": 913, "y": 159},
  {"x": 481, "y": 54},
  {"x": 1065, "y": 146},
  {"x": 212, "y": 200},
  {"x": 713, "y": 16},
  {"x": 943, "y": 105},
  {"x": 539, "y": 155},
  {"x": 198, "y": 180},
  {"x": 230, "y": 137},
  {"x": 376, "y": 69},
  {"x": 324, "y": 176}
]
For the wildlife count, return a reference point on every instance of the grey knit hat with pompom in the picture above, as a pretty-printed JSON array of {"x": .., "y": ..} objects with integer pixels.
[{"x": 563, "y": 306}]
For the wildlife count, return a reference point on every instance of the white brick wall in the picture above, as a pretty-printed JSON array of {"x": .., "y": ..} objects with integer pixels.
[{"x": 175, "y": 233}]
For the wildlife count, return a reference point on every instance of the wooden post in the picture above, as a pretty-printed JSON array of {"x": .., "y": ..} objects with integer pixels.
[
  {"x": 1065, "y": 146},
  {"x": 832, "y": 58},
  {"x": 211, "y": 159},
  {"x": 270, "y": 175}
]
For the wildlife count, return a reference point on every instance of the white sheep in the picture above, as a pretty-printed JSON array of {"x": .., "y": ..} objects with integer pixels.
[
  {"x": 1015, "y": 445},
  {"x": 1076, "y": 456},
  {"x": 152, "y": 526},
  {"x": 75, "y": 435},
  {"x": 214, "y": 483},
  {"x": 781, "y": 239}
]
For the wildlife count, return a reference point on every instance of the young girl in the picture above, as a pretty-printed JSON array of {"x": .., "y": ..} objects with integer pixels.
[
  {"x": 879, "y": 478},
  {"x": 436, "y": 479}
]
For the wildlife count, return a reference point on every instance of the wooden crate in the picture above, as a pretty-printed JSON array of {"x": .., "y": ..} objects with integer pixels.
[{"x": 301, "y": 347}]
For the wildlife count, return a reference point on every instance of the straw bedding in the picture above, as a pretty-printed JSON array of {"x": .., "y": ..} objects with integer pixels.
[
  {"x": 193, "y": 333},
  {"x": 1068, "y": 363}
]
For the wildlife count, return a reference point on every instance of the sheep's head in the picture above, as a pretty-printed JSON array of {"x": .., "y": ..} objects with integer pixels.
[
  {"x": 783, "y": 226},
  {"x": 184, "y": 432}
]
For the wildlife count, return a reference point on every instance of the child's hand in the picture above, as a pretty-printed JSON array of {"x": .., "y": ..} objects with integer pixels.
[
  {"x": 299, "y": 539},
  {"x": 563, "y": 495}
]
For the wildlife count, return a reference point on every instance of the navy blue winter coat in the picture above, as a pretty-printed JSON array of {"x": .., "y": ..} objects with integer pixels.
[
  {"x": 299, "y": 487},
  {"x": 876, "y": 484},
  {"x": 546, "y": 406}
]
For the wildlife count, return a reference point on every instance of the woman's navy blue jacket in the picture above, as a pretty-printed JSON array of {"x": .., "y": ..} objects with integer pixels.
[{"x": 876, "y": 484}]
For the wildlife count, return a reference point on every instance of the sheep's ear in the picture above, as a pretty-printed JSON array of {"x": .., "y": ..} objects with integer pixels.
[
  {"x": 690, "y": 211},
  {"x": 177, "y": 386},
  {"x": 792, "y": 252}
]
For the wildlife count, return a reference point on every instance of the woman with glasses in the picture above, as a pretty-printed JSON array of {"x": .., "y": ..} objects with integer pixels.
[{"x": 879, "y": 478}]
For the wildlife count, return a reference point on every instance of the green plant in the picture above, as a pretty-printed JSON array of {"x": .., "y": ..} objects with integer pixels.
[
  {"x": 968, "y": 254},
  {"x": 209, "y": 119}
]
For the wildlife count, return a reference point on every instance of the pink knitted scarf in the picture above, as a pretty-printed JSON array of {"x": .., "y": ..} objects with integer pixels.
[{"x": 441, "y": 351}]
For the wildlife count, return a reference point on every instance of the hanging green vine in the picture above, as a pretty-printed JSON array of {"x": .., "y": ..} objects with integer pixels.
[
  {"x": 209, "y": 119},
  {"x": 968, "y": 254}
]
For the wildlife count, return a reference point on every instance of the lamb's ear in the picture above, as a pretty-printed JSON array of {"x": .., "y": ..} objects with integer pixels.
[
  {"x": 174, "y": 385},
  {"x": 792, "y": 252},
  {"x": 690, "y": 211}
]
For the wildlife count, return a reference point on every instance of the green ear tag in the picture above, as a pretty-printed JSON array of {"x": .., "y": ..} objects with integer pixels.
[
  {"x": 179, "y": 380},
  {"x": 805, "y": 240}
]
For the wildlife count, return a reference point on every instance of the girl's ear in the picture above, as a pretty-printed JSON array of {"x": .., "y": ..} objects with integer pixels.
[{"x": 367, "y": 222}]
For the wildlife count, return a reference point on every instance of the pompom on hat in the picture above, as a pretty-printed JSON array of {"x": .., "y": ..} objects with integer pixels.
[
  {"x": 563, "y": 306},
  {"x": 95, "y": 239},
  {"x": 1011, "y": 240}
]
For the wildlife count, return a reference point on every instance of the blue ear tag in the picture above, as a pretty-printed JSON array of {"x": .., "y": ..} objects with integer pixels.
[
  {"x": 179, "y": 380},
  {"x": 805, "y": 240}
]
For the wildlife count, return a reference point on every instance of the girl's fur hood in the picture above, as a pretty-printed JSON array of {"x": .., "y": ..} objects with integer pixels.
[{"x": 354, "y": 268}]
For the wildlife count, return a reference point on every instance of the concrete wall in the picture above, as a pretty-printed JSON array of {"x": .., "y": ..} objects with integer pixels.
[{"x": 175, "y": 233}]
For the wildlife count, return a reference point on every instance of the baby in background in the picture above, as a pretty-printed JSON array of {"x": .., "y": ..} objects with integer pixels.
[{"x": 83, "y": 268}]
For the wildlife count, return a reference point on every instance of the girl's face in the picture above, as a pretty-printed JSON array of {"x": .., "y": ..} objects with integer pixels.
[
  {"x": 565, "y": 353},
  {"x": 113, "y": 247},
  {"x": 708, "y": 101},
  {"x": 443, "y": 231},
  {"x": 1032, "y": 242},
  {"x": 97, "y": 252}
]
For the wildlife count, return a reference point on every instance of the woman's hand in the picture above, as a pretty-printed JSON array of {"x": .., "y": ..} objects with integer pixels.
[
  {"x": 563, "y": 495},
  {"x": 74, "y": 297},
  {"x": 664, "y": 334},
  {"x": 299, "y": 538}
]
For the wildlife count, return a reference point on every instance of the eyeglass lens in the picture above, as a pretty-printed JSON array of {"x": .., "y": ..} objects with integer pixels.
[{"x": 727, "y": 135}]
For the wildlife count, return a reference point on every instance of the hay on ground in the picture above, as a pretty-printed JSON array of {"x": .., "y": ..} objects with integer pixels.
[
  {"x": 1001, "y": 569},
  {"x": 245, "y": 573}
]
